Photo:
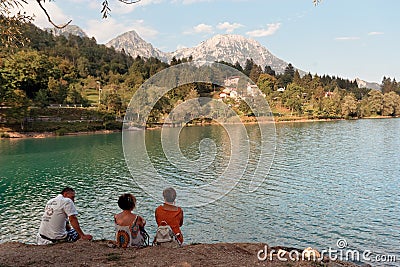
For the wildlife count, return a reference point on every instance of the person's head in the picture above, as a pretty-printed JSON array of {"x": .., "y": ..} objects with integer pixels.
[
  {"x": 127, "y": 202},
  {"x": 68, "y": 192},
  {"x": 169, "y": 195}
]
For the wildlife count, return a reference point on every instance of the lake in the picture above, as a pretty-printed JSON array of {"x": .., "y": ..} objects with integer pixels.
[{"x": 326, "y": 181}]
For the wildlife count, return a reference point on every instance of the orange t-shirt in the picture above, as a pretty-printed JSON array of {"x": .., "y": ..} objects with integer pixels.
[{"x": 173, "y": 216}]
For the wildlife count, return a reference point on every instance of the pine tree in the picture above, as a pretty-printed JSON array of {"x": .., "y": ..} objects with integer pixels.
[
  {"x": 269, "y": 70},
  {"x": 248, "y": 66}
]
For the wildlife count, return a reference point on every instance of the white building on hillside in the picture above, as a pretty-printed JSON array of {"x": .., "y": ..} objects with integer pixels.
[{"x": 231, "y": 81}]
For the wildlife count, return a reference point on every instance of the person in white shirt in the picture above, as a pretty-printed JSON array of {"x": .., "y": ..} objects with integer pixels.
[{"x": 58, "y": 217}]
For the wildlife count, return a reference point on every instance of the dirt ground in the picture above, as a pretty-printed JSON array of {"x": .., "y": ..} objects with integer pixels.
[{"x": 98, "y": 253}]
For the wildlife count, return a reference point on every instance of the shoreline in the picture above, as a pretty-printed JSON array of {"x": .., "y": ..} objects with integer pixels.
[
  {"x": 99, "y": 253},
  {"x": 40, "y": 135},
  {"x": 11, "y": 135}
]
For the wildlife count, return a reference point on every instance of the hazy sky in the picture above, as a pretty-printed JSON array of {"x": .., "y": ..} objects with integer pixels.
[{"x": 345, "y": 38}]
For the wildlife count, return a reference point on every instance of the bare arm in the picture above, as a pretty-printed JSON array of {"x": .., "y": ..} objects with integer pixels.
[
  {"x": 157, "y": 219},
  {"x": 75, "y": 224},
  {"x": 142, "y": 221},
  {"x": 181, "y": 222}
]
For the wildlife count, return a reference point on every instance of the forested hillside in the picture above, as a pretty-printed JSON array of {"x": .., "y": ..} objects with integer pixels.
[{"x": 74, "y": 73}]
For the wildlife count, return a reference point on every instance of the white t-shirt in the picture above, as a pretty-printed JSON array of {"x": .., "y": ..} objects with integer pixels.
[{"x": 55, "y": 217}]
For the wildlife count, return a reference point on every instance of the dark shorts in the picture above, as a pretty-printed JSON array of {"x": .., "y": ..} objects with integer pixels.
[{"x": 72, "y": 236}]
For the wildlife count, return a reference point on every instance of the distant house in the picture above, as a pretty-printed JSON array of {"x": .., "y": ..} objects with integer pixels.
[
  {"x": 233, "y": 94},
  {"x": 227, "y": 91},
  {"x": 329, "y": 94},
  {"x": 281, "y": 89},
  {"x": 233, "y": 80},
  {"x": 222, "y": 95},
  {"x": 252, "y": 89}
]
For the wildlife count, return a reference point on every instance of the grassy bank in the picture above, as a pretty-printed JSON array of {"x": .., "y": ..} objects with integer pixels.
[{"x": 60, "y": 121}]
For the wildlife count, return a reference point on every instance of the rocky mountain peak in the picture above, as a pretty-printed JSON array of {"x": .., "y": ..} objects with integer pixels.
[
  {"x": 66, "y": 31},
  {"x": 135, "y": 46},
  {"x": 369, "y": 85}
]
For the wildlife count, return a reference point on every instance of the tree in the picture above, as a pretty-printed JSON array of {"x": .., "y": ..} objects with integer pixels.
[
  {"x": 289, "y": 70},
  {"x": 18, "y": 106},
  {"x": 7, "y": 6},
  {"x": 315, "y": 82},
  {"x": 391, "y": 101},
  {"x": 75, "y": 97},
  {"x": 58, "y": 90},
  {"x": 349, "y": 106},
  {"x": 269, "y": 70},
  {"x": 337, "y": 101},
  {"x": 42, "y": 98},
  {"x": 113, "y": 103},
  {"x": 388, "y": 85},
  {"x": 28, "y": 71},
  {"x": 297, "y": 78},
  {"x": 332, "y": 104},
  {"x": 284, "y": 80},
  {"x": 238, "y": 67},
  {"x": 10, "y": 23},
  {"x": 292, "y": 98},
  {"x": 248, "y": 66},
  {"x": 174, "y": 61},
  {"x": 106, "y": 9},
  {"x": 375, "y": 102},
  {"x": 287, "y": 77},
  {"x": 255, "y": 73},
  {"x": 266, "y": 83},
  {"x": 306, "y": 80}
]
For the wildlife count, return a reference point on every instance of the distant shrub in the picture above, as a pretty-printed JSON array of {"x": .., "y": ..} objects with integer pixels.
[
  {"x": 112, "y": 125},
  {"x": 61, "y": 132},
  {"x": 4, "y": 135}
]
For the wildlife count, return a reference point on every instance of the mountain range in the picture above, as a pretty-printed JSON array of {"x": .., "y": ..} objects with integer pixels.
[
  {"x": 222, "y": 47},
  {"x": 226, "y": 47}
]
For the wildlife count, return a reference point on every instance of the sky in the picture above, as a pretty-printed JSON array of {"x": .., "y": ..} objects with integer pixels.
[{"x": 345, "y": 38}]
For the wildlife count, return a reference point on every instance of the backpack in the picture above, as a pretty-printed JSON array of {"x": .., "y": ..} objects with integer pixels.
[
  {"x": 133, "y": 235},
  {"x": 165, "y": 236}
]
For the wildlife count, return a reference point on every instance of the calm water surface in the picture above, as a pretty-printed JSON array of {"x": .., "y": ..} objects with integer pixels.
[{"x": 328, "y": 181}]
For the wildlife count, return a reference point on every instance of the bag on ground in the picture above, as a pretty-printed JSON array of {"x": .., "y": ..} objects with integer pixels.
[{"x": 165, "y": 236}]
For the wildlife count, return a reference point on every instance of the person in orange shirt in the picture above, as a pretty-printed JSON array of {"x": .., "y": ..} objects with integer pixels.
[{"x": 170, "y": 213}]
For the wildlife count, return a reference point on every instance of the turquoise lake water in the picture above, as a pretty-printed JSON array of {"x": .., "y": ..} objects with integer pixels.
[{"x": 328, "y": 181}]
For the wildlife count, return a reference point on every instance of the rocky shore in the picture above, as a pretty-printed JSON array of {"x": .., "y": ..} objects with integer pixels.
[{"x": 99, "y": 253}]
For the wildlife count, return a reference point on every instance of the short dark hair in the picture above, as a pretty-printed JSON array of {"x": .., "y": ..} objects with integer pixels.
[
  {"x": 67, "y": 189},
  {"x": 169, "y": 194},
  {"x": 127, "y": 202}
]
